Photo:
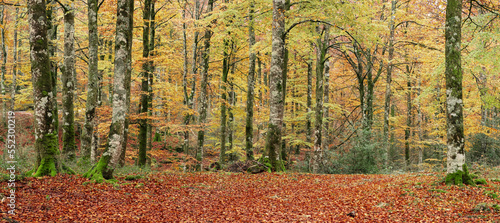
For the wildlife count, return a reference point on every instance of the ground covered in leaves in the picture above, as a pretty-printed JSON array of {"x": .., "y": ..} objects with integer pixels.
[{"x": 239, "y": 197}]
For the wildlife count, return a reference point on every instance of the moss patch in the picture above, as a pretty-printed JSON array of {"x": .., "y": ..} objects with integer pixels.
[{"x": 460, "y": 177}]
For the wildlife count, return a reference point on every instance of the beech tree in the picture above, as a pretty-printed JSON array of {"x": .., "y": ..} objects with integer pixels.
[
  {"x": 47, "y": 162},
  {"x": 454, "y": 102},
  {"x": 121, "y": 85},
  {"x": 93, "y": 84},
  {"x": 273, "y": 142}
]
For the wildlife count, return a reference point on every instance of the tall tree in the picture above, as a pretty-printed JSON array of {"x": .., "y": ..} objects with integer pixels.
[
  {"x": 273, "y": 142},
  {"x": 251, "y": 84},
  {"x": 454, "y": 103},
  {"x": 3, "y": 54},
  {"x": 118, "y": 130},
  {"x": 15, "y": 63},
  {"x": 388, "y": 93},
  {"x": 146, "y": 70},
  {"x": 93, "y": 82},
  {"x": 45, "y": 128},
  {"x": 321, "y": 52},
  {"x": 68, "y": 84},
  {"x": 203, "y": 99}
]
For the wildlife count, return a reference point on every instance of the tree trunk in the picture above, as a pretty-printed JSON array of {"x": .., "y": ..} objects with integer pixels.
[
  {"x": 387, "y": 106},
  {"x": 309, "y": 102},
  {"x": 14, "y": 67},
  {"x": 144, "y": 105},
  {"x": 3, "y": 54},
  {"x": 454, "y": 103},
  {"x": 408, "y": 115},
  {"x": 321, "y": 47},
  {"x": 45, "y": 129},
  {"x": 68, "y": 84},
  {"x": 223, "y": 105},
  {"x": 52, "y": 35},
  {"x": 117, "y": 133},
  {"x": 326, "y": 139},
  {"x": 204, "y": 93},
  {"x": 273, "y": 142},
  {"x": 250, "y": 83},
  {"x": 93, "y": 80}
]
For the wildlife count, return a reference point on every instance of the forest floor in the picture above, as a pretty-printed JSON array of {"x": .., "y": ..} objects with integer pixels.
[{"x": 241, "y": 197}]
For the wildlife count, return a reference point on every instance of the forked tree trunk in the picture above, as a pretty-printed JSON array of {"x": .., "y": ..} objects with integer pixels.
[{"x": 117, "y": 134}]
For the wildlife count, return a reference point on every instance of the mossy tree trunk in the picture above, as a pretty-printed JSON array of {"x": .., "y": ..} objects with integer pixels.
[
  {"x": 454, "y": 102},
  {"x": 321, "y": 50},
  {"x": 93, "y": 80},
  {"x": 118, "y": 130},
  {"x": 45, "y": 128},
  {"x": 273, "y": 141}
]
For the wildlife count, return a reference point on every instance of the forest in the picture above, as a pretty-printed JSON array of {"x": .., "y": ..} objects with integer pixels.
[{"x": 250, "y": 110}]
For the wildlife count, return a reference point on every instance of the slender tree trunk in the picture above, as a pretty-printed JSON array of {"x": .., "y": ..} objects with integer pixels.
[
  {"x": 68, "y": 84},
  {"x": 454, "y": 103},
  {"x": 14, "y": 67},
  {"x": 223, "y": 124},
  {"x": 45, "y": 128},
  {"x": 284, "y": 152},
  {"x": 230, "y": 124},
  {"x": 408, "y": 116},
  {"x": 388, "y": 93},
  {"x": 120, "y": 158},
  {"x": 121, "y": 84},
  {"x": 187, "y": 102},
  {"x": 144, "y": 105},
  {"x": 309, "y": 102},
  {"x": 321, "y": 47},
  {"x": 52, "y": 35},
  {"x": 250, "y": 83},
  {"x": 4, "y": 61},
  {"x": 273, "y": 142},
  {"x": 326, "y": 100},
  {"x": 93, "y": 86},
  {"x": 204, "y": 93}
]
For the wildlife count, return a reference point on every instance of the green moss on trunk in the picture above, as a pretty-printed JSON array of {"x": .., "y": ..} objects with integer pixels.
[
  {"x": 460, "y": 177},
  {"x": 97, "y": 172}
]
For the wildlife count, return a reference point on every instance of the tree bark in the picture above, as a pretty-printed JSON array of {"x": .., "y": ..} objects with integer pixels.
[
  {"x": 144, "y": 105},
  {"x": 14, "y": 67},
  {"x": 3, "y": 54},
  {"x": 309, "y": 102},
  {"x": 45, "y": 128},
  {"x": 273, "y": 142},
  {"x": 121, "y": 84},
  {"x": 68, "y": 84},
  {"x": 93, "y": 80},
  {"x": 388, "y": 93},
  {"x": 454, "y": 103},
  {"x": 204, "y": 93},
  {"x": 223, "y": 119},
  {"x": 321, "y": 47},
  {"x": 250, "y": 84}
]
